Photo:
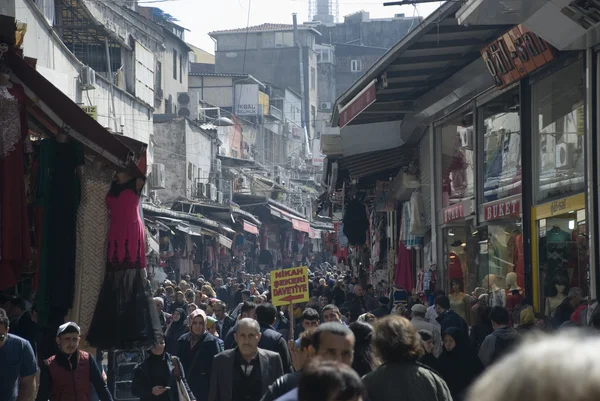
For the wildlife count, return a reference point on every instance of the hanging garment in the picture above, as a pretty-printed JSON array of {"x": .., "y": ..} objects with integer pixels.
[
  {"x": 417, "y": 228},
  {"x": 408, "y": 240},
  {"x": 15, "y": 243},
  {"x": 356, "y": 223},
  {"x": 404, "y": 269},
  {"x": 125, "y": 315},
  {"x": 92, "y": 242}
]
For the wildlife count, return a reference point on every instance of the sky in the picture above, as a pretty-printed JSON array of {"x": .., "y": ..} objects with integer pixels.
[{"x": 204, "y": 16}]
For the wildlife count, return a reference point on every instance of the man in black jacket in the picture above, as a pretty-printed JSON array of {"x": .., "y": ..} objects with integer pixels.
[
  {"x": 271, "y": 340},
  {"x": 448, "y": 318},
  {"x": 224, "y": 321}
]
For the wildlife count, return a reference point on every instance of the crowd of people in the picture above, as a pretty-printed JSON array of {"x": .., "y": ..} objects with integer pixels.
[{"x": 223, "y": 340}]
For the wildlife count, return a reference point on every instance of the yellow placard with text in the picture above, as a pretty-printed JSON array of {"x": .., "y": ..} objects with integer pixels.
[{"x": 289, "y": 286}]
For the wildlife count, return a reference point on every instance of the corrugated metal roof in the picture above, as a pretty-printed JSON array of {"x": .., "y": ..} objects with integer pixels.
[
  {"x": 426, "y": 57},
  {"x": 366, "y": 164},
  {"x": 262, "y": 28}
]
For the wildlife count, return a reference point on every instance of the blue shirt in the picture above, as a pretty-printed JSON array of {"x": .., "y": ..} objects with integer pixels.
[{"x": 16, "y": 360}]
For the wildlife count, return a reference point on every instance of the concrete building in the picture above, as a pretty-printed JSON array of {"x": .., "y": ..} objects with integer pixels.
[
  {"x": 187, "y": 152},
  {"x": 270, "y": 53},
  {"x": 351, "y": 62},
  {"x": 64, "y": 57},
  {"x": 362, "y": 30}
]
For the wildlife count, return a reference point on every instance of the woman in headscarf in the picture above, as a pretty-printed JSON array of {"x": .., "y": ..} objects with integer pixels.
[
  {"x": 179, "y": 301},
  {"x": 177, "y": 328},
  {"x": 482, "y": 328},
  {"x": 459, "y": 365},
  {"x": 527, "y": 319},
  {"x": 156, "y": 379},
  {"x": 196, "y": 350}
]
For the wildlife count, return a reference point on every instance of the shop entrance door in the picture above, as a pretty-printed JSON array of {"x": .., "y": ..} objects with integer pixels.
[{"x": 560, "y": 252}]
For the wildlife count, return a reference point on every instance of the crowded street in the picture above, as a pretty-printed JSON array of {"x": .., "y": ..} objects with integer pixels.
[{"x": 299, "y": 200}]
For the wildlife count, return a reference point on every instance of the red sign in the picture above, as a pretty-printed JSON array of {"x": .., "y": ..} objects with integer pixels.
[
  {"x": 510, "y": 207},
  {"x": 515, "y": 54},
  {"x": 300, "y": 225},
  {"x": 364, "y": 99},
  {"x": 454, "y": 212},
  {"x": 251, "y": 228}
]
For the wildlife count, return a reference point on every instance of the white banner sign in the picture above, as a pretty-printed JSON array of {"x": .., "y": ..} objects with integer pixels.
[
  {"x": 246, "y": 100},
  {"x": 318, "y": 157}
]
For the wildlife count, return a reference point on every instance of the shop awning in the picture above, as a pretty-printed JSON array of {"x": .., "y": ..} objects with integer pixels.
[
  {"x": 430, "y": 54},
  {"x": 314, "y": 233},
  {"x": 298, "y": 223},
  {"x": 250, "y": 228},
  {"x": 67, "y": 117}
]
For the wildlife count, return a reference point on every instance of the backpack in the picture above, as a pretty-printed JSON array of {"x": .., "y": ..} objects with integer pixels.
[{"x": 504, "y": 346}]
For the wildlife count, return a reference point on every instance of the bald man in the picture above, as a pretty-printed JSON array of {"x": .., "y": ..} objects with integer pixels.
[{"x": 245, "y": 372}]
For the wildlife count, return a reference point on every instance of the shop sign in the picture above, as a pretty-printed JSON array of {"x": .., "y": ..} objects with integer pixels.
[
  {"x": 314, "y": 233},
  {"x": 250, "y": 228},
  {"x": 516, "y": 54},
  {"x": 510, "y": 207},
  {"x": 289, "y": 286},
  {"x": 91, "y": 111},
  {"x": 357, "y": 105},
  {"x": 226, "y": 242},
  {"x": 560, "y": 206},
  {"x": 300, "y": 225},
  {"x": 457, "y": 212}
]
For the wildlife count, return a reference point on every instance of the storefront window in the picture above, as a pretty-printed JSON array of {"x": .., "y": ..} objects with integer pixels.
[
  {"x": 563, "y": 257},
  {"x": 459, "y": 256},
  {"x": 559, "y": 133},
  {"x": 457, "y": 160},
  {"x": 501, "y": 147}
]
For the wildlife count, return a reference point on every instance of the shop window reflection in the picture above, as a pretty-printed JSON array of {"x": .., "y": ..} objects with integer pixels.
[
  {"x": 563, "y": 258},
  {"x": 461, "y": 262},
  {"x": 457, "y": 160},
  {"x": 558, "y": 124},
  {"x": 502, "y": 147}
]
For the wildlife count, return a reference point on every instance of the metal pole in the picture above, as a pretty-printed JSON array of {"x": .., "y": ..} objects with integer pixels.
[
  {"x": 112, "y": 92},
  {"x": 591, "y": 150}
]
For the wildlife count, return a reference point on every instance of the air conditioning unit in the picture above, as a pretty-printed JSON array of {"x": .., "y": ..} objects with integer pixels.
[
  {"x": 212, "y": 192},
  {"x": 243, "y": 182},
  {"x": 325, "y": 106},
  {"x": 201, "y": 190},
  {"x": 466, "y": 137},
  {"x": 219, "y": 165},
  {"x": 188, "y": 105},
  {"x": 220, "y": 197},
  {"x": 564, "y": 155},
  {"x": 222, "y": 151},
  {"x": 88, "y": 78},
  {"x": 158, "y": 94},
  {"x": 158, "y": 176}
]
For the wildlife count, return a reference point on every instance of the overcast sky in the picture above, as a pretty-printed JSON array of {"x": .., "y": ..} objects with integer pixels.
[{"x": 203, "y": 16}]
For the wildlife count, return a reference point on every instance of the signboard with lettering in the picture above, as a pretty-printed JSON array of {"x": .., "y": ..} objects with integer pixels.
[
  {"x": 516, "y": 54},
  {"x": 91, "y": 111},
  {"x": 457, "y": 211},
  {"x": 559, "y": 206},
  {"x": 247, "y": 100},
  {"x": 289, "y": 286},
  {"x": 357, "y": 105},
  {"x": 505, "y": 208}
]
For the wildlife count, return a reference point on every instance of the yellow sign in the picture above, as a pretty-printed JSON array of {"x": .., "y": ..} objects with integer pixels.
[
  {"x": 289, "y": 286},
  {"x": 91, "y": 111},
  {"x": 560, "y": 206}
]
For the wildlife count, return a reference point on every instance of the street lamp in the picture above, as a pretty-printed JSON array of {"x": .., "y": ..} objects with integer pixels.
[{"x": 219, "y": 121}]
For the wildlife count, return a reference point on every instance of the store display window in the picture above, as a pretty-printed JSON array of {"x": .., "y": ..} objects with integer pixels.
[
  {"x": 456, "y": 138},
  {"x": 501, "y": 130},
  {"x": 559, "y": 133},
  {"x": 563, "y": 252},
  {"x": 460, "y": 247}
]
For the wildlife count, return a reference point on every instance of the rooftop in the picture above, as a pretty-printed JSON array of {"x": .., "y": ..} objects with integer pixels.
[{"x": 267, "y": 27}]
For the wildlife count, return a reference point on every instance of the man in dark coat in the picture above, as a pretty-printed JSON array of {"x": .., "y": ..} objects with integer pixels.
[
  {"x": 245, "y": 372},
  {"x": 224, "y": 321},
  {"x": 448, "y": 318},
  {"x": 271, "y": 340},
  {"x": 383, "y": 309}
]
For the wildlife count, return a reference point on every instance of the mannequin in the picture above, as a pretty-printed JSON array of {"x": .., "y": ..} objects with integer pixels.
[
  {"x": 512, "y": 283},
  {"x": 560, "y": 283},
  {"x": 460, "y": 302},
  {"x": 497, "y": 295}
]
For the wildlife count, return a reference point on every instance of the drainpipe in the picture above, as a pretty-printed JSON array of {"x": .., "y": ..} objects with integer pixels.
[{"x": 305, "y": 99}]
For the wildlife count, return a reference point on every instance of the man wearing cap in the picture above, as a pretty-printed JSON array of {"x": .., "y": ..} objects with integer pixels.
[
  {"x": 71, "y": 373},
  {"x": 418, "y": 321},
  {"x": 383, "y": 309}
]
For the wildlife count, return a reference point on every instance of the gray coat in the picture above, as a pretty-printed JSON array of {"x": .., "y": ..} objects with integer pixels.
[{"x": 221, "y": 379}]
